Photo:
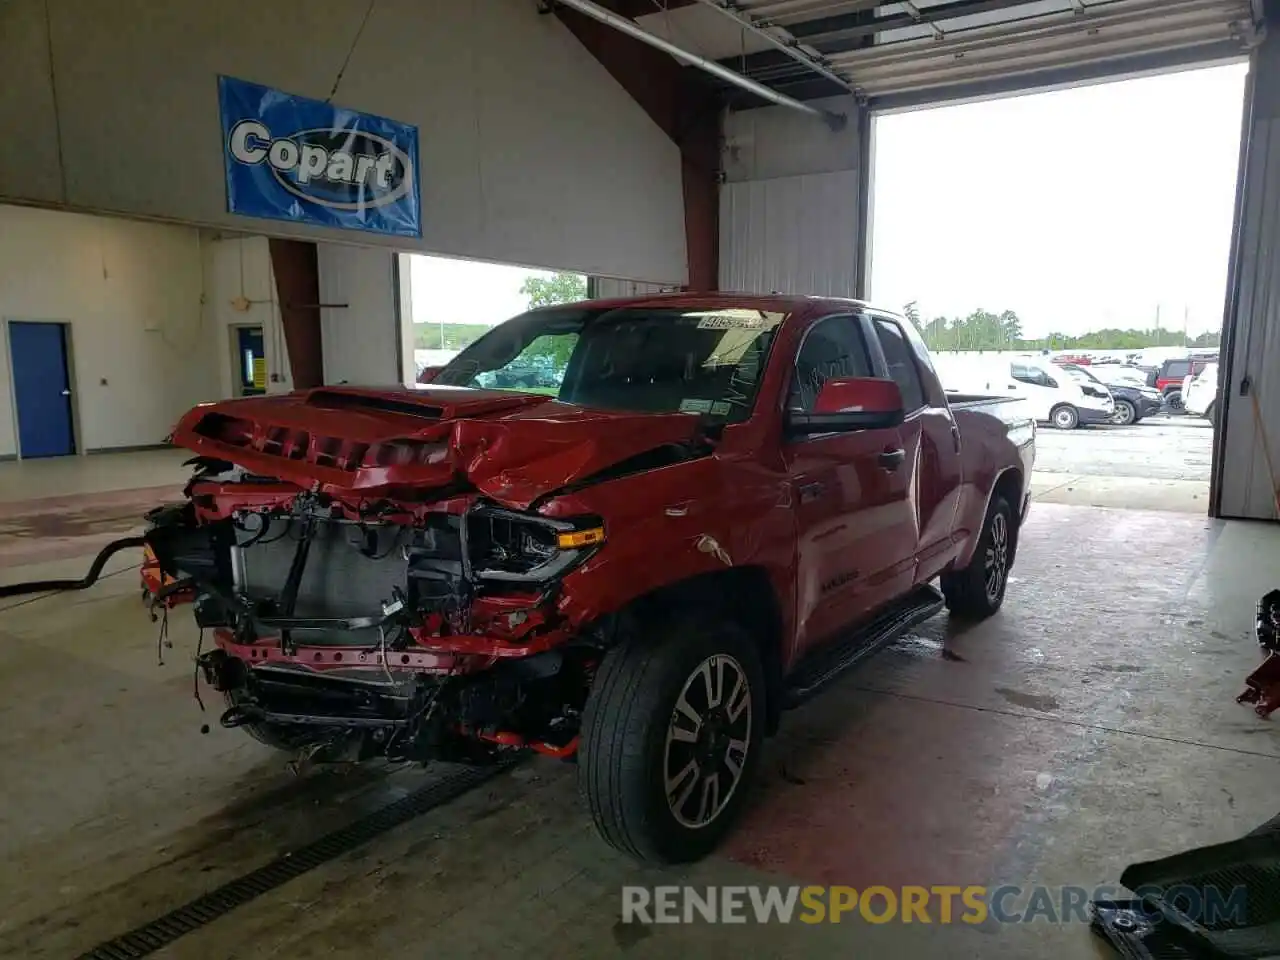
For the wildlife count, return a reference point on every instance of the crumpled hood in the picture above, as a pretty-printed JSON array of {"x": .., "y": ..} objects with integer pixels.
[{"x": 513, "y": 447}]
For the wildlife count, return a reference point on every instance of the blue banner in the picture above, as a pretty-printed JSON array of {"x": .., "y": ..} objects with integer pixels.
[{"x": 292, "y": 158}]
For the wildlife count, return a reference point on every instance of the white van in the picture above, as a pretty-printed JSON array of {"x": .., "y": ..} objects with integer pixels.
[
  {"x": 1052, "y": 394},
  {"x": 1200, "y": 392}
]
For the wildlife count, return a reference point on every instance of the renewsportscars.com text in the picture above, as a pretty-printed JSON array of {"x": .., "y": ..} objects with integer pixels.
[{"x": 910, "y": 904}]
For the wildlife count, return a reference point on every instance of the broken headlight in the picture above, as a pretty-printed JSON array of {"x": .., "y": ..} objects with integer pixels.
[{"x": 526, "y": 548}]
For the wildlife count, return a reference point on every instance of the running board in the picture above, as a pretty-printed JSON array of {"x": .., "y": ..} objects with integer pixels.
[{"x": 831, "y": 660}]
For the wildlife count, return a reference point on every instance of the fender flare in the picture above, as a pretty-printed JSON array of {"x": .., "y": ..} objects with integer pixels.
[{"x": 963, "y": 559}]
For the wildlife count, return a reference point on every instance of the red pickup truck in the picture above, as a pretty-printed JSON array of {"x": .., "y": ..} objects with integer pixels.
[{"x": 706, "y": 508}]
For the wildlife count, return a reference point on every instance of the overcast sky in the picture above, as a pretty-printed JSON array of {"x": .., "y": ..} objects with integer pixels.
[{"x": 1077, "y": 209}]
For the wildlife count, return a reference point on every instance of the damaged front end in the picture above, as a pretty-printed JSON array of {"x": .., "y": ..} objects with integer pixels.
[{"x": 403, "y": 628}]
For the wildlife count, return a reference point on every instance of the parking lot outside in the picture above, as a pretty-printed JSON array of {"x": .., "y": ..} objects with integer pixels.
[{"x": 1162, "y": 463}]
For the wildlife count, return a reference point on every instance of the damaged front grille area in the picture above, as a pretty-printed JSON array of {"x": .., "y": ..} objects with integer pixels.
[{"x": 296, "y": 444}]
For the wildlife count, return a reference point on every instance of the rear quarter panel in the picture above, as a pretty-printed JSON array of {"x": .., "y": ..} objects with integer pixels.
[{"x": 995, "y": 440}]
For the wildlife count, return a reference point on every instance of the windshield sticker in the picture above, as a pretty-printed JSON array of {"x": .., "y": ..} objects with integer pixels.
[
  {"x": 693, "y": 405},
  {"x": 720, "y": 408},
  {"x": 731, "y": 322}
]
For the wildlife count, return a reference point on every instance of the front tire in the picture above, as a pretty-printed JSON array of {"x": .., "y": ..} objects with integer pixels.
[
  {"x": 977, "y": 591},
  {"x": 1065, "y": 417},
  {"x": 671, "y": 738},
  {"x": 1126, "y": 413}
]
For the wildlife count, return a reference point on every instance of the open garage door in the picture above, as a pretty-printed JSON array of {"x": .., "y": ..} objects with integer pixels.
[{"x": 1004, "y": 45}]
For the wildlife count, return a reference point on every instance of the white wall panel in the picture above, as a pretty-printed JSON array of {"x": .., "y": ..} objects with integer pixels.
[
  {"x": 791, "y": 235},
  {"x": 524, "y": 138},
  {"x": 240, "y": 290},
  {"x": 789, "y": 208},
  {"x": 607, "y": 288},
  {"x": 1247, "y": 486},
  {"x": 361, "y": 340},
  {"x": 131, "y": 293}
]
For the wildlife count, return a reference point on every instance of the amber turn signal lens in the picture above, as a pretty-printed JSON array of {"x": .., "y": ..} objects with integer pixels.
[{"x": 580, "y": 538}]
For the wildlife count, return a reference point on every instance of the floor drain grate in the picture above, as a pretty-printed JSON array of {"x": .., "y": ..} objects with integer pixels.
[{"x": 150, "y": 937}]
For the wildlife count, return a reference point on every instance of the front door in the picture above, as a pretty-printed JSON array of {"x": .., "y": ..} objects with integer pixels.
[
  {"x": 41, "y": 389},
  {"x": 851, "y": 500}
]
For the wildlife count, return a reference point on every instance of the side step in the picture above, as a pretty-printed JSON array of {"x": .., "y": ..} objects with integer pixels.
[{"x": 831, "y": 660}]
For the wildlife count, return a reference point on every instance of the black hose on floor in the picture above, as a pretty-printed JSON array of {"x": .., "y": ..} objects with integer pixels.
[{"x": 90, "y": 578}]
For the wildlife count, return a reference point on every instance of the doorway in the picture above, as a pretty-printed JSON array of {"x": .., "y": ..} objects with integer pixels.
[
  {"x": 38, "y": 355},
  {"x": 249, "y": 361}
]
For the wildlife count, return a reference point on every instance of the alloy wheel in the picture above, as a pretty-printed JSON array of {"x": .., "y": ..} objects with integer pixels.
[
  {"x": 708, "y": 737},
  {"x": 996, "y": 563}
]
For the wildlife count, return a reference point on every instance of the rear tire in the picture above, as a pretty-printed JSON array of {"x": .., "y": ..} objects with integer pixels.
[
  {"x": 977, "y": 591},
  {"x": 1173, "y": 402},
  {"x": 663, "y": 786},
  {"x": 1212, "y": 414},
  {"x": 1064, "y": 417}
]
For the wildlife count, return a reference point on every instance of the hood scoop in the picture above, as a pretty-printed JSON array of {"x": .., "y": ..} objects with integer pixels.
[{"x": 337, "y": 400}]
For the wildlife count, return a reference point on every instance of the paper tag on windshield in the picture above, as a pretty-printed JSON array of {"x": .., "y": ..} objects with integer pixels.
[
  {"x": 730, "y": 322},
  {"x": 695, "y": 406},
  {"x": 720, "y": 408}
]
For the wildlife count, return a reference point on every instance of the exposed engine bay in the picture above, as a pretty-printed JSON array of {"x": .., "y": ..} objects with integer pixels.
[{"x": 411, "y": 631}]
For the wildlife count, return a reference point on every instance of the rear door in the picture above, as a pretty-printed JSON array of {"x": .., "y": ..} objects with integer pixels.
[
  {"x": 849, "y": 492},
  {"x": 931, "y": 443}
]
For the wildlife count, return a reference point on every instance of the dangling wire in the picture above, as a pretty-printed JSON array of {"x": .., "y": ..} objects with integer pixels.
[
  {"x": 162, "y": 636},
  {"x": 195, "y": 674}
]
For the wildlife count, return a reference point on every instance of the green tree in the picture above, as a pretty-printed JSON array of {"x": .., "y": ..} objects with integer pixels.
[
  {"x": 912, "y": 312},
  {"x": 558, "y": 288},
  {"x": 546, "y": 292}
]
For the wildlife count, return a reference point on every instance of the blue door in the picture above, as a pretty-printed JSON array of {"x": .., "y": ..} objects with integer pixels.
[{"x": 42, "y": 389}]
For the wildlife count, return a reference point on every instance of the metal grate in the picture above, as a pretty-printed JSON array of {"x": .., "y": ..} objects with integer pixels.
[{"x": 147, "y": 939}]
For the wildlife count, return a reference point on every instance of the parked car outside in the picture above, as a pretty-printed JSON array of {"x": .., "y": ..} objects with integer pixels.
[
  {"x": 1052, "y": 395},
  {"x": 1132, "y": 403},
  {"x": 1200, "y": 393},
  {"x": 1168, "y": 378}
]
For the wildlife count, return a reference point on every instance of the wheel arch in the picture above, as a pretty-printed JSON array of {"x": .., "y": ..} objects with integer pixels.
[
  {"x": 744, "y": 594},
  {"x": 1009, "y": 485}
]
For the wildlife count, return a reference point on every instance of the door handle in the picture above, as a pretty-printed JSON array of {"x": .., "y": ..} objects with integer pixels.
[
  {"x": 810, "y": 491},
  {"x": 892, "y": 459},
  {"x": 66, "y": 393}
]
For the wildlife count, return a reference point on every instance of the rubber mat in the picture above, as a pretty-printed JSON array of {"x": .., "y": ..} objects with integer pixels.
[{"x": 1219, "y": 902}]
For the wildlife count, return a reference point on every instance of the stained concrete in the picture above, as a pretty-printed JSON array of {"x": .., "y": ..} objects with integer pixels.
[
  {"x": 1161, "y": 463},
  {"x": 1088, "y": 725}
]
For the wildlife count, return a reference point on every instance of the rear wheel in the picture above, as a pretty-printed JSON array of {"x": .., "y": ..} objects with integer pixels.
[
  {"x": 1212, "y": 414},
  {"x": 1065, "y": 417},
  {"x": 1126, "y": 413},
  {"x": 671, "y": 737},
  {"x": 977, "y": 591},
  {"x": 1173, "y": 401}
]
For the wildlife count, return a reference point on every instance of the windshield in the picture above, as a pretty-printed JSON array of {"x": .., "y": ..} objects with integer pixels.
[
  {"x": 641, "y": 360},
  {"x": 1080, "y": 373}
]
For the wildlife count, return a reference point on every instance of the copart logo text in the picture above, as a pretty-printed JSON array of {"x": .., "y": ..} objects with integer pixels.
[{"x": 341, "y": 169}]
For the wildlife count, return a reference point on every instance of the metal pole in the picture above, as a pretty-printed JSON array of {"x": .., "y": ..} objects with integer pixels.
[
  {"x": 632, "y": 29},
  {"x": 791, "y": 47}
]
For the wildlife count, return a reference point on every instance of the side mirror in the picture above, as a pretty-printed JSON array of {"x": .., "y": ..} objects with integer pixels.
[
  {"x": 851, "y": 403},
  {"x": 428, "y": 374}
]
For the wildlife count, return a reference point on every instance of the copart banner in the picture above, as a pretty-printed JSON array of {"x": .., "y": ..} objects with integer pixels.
[{"x": 293, "y": 158}]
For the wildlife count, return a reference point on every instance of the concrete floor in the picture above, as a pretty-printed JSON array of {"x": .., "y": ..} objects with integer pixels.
[
  {"x": 1162, "y": 463},
  {"x": 1089, "y": 725}
]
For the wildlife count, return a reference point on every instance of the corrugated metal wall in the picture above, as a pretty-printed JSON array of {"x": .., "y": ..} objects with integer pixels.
[
  {"x": 791, "y": 235},
  {"x": 1246, "y": 482},
  {"x": 606, "y": 288},
  {"x": 789, "y": 206}
]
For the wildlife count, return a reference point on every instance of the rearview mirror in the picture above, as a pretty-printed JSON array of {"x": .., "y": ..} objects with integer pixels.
[{"x": 851, "y": 403}]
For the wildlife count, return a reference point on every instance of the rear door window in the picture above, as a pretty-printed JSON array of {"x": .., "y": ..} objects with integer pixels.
[{"x": 902, "y": 366}]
